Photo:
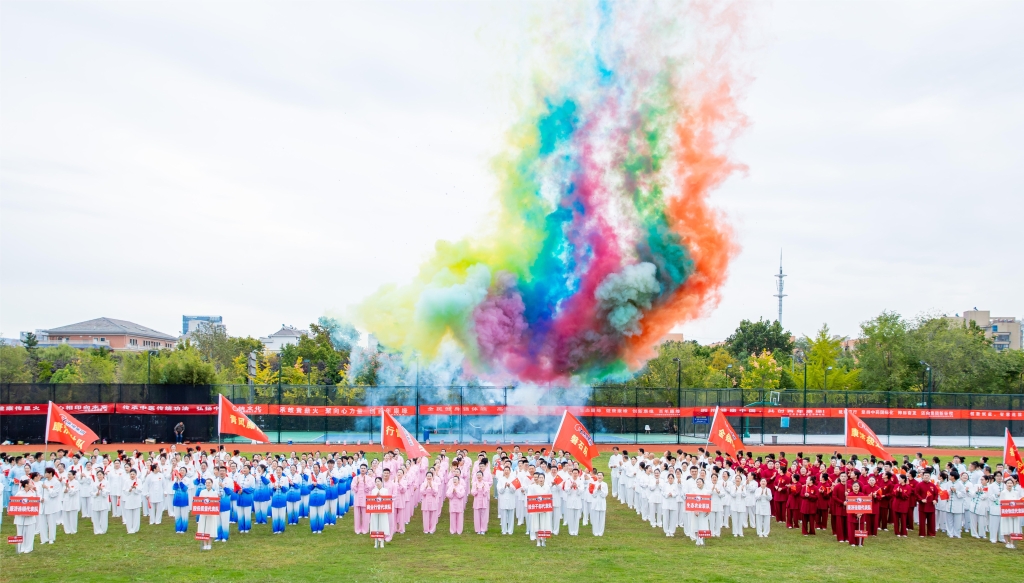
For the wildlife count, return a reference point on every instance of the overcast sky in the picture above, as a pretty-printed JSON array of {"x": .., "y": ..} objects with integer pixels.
[{"x": 272, "y": 162}]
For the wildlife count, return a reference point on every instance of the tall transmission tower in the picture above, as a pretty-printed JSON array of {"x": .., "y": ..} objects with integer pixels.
[{"x": 779, "y": 285}]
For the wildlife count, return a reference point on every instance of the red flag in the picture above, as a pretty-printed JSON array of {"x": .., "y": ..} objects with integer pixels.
[
  {"x": 516, "y": 484},
  {"x": 393, "y": 435},
  {"x": 860, "y": 436},
  {"x": 723, "y": 435},
  {"x": 64, "y": 428},
  {"x": 1011, "y": 455},
  {"x": 230, "y": 419},
  {"x": 573, "y": 437}
]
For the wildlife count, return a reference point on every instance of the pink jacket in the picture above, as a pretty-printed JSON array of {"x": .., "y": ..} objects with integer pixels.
[
  {"x": 481, "y": 494},
  {"x": 361, "y": 486},
  {"x": 456, "y": 498},
  {"x": 431, "y": 494}
]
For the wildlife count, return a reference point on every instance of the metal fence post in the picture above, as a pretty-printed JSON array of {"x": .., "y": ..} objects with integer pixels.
[{"x": 279, "y": 391}]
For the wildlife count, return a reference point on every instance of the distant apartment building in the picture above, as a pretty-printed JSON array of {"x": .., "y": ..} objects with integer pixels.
[
  {"x": 189, "y": 324},
  {"x": 106, "y": 332},
  {"x": 1004, "y": 332},
  {"x": 286, "y": 335}
]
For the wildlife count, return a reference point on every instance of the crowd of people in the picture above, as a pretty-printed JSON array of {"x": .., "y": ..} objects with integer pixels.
[
  {"x": 813, "y": 495},
  {"x": 283, "y": 491}
]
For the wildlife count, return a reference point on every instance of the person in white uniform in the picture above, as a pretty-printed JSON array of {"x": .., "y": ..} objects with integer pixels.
[
  {"x": 131, "y": 502},
  {"x": 26, "y": 525},
  {"x": 506, "y": 500},
  {"x": 72, "y": 503},
  {"x": 52, "y": 492},
  {"x": 539, "y": 521},
  {"x": 99, "y": 504},
  {"x": 599, "y": 505}
]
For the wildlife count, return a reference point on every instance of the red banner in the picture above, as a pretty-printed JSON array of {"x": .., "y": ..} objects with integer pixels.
[
  {"x": 377, "y": 534},
  {"x": 202, "y": 536},
  {"x": 63, "y": 427},
  {"x": 539, "y": 503},
  {"x": 15, "y": 540},
  {"x": 394, "y": 436},
  {"x": 1011, "y": 455},
  {"x": 1006, "y": 508},
  {"x": 573, "y": 437},
  {"x": 23, "y": 506},
  {"x": 723, "y": 435},
  {"x": 543, "y": 534},
  {"x": 231, "y": 420},
  {"x": 378, "y": 505},
  {"x": 518, "y": 410},
  {"x": 859, "y": 435},
  {"x": 704, "y": 534},
  {"x": 858, "y": 504},
  {"x": 698, "y": 503},
  {"x": 860, "y": 534},
  {"x": 206, "y": 506}
]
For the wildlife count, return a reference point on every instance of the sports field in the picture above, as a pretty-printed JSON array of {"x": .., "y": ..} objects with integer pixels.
[{"x": 631, "y": 550}]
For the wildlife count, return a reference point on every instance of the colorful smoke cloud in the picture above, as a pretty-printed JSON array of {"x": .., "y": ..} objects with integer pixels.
[{"x": 604, "y": 240}]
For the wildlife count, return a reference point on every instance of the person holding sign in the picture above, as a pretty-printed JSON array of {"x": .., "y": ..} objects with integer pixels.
[
  {"x": 701, "y": 515},
  {"x": 857, "y": 504},
  {"x": 208, "y": 523},
  {"x": 25, "y": 518},
  {"x": 539, "y": 509},
  {"x": 131, "y": 497},
  {"x": 1009, "y": 504},
  {"x": 380, "y": 523}
]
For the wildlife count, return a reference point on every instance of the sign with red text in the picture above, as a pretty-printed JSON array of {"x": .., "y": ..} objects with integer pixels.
[
  {"x": 378, "y": 504},
  {"x": 539, "y": 503},
  {"x": 206, "y": 506},
  {"x": 858, "y": 504},
  {"x": 1007, "y": 508},
  {"x": 698, "y": 503},
  {"x": 23, "y": 506}
]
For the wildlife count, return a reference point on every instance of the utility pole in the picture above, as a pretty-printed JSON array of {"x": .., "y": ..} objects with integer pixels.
[{"x": 779, "y": 286}]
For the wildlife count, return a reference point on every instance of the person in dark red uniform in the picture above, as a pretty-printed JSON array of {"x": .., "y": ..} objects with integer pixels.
[
  {"x": 886, "y": 484},
  {"x": 809, "y": 505},
  {"x": 927, "y": 494},
  {"x": 900, "y": 506},
  {"x": 824, "y": 501},
  {"x": 838, "y": 504},
  {"x": 793, "y": 505},
  {"x": 855, "y": 522},
  {"x": 781, "y": 498}
]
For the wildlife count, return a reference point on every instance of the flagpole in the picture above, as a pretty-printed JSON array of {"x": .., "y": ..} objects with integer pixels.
[
  {"x": 846, "y": 427},
  {"x": 710, "y": 429},
  {"x": 559, "y": 430},
  {"x": 46, "y": 432},
  {"x": 220, "y": 411}
]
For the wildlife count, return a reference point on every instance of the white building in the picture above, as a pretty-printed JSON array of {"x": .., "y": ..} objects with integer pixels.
[{"x": 286, "y": 335}]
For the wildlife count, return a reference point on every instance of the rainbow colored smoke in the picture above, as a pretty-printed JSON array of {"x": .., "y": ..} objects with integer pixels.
[{"x": 604, "y": 239}]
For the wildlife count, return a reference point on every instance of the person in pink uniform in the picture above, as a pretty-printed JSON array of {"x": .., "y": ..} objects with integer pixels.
[
  {"x": 389, "y": 483},
  {"x": 398, "y": 488},
  {"x": 362, "y": 484},
  {"x": 456, "y": 505},
  {"x": 481, "y": 491},
  {"x": 430, "y": 502}
]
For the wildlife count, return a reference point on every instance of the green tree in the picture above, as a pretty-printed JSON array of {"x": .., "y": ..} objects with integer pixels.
[
  {"x": 186, "y": 367},
  {"x": 962, "y": 359},
  {"x": 823, "y": 352},
  {"x": 69, "y": 373},
  {"x": 97, "y": 368},
  {"x": 756, "y": 337},
  {"x": 31, "y": 344},
  {"x": 762, "y": 372},
  {"x": 883, "y": 354},
  {"x": 14, "y": 365}
]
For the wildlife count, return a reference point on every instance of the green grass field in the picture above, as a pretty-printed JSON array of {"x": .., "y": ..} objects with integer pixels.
[{"x": 630, "y": 551}]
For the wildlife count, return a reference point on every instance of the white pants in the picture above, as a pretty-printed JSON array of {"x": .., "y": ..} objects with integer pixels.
[
  {"x": 669, "y": 520},
  {"x": 47, "y": 525},
  {"x": 716, "y": 523},
  {"x": 572, "y": 516},
  {"x": 597, "y": 522},
  {"x": 28, "y": 535},
  {"x": 955, "y": 524},
  {"x": 115, "y": 506},
  {"x": 99, "y": 521},
  {"x": 156, "y": 512},
  {"x": 993, "y": 527},
  {"x": 520, "y": 510},
  {"x": 654, "y": 514},
  {"x": 751, "y": 521},
  {"x": 508, "y": 520},
  {"x": 764, "y": 522},
  {"x": 615, "y": 485},
  {"x": 978, "y": 523},
  {"x": 131, "y": 519},
  {"x": 737, "y": 522},
  {"x": 586, "y": 512},
  {"x": 70, "y": 521}
]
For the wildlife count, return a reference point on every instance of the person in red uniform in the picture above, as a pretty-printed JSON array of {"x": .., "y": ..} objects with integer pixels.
[
  {"x": 793, "y": 504},
  {"x": 900, "y": 506},
  {"x": 927, "y": 494},
  {"x": 855, "y": 522},
  {"x": 885, "y": 485},
  {"x": 824, "y": 501},
  {"x": 838, "y": 508},
  {"x": 781, "y": 498},
  {"x": 874, "y": 490},
  {"x": 809, "y": 505}
]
